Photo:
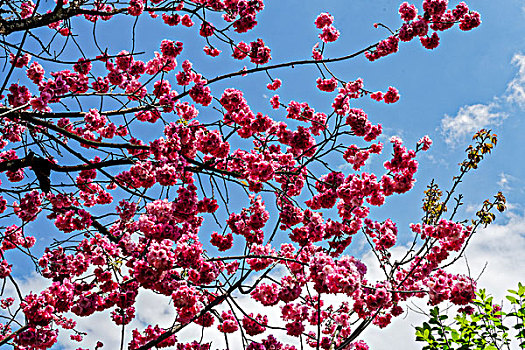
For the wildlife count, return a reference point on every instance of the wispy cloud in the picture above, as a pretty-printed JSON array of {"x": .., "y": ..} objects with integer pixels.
[
  {"x": 470, "y": 119},
  {"x": 505, "y": 181},
  {"x": 516, "y": 88}
]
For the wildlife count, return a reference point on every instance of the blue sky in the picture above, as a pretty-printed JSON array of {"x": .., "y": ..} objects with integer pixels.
[{"x": 472, "y": 80}]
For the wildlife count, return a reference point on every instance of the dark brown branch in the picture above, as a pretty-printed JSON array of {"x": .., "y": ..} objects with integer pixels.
[
  {"x": 291, "y": 64},
  {"x": 37, "y": 121},
  {"x": 60, "y": 13},
  {"x": 35, "y": 161},
  {"x": 173, "y": 330},
  {"x": 14, "y": 334},
  {"x": 103, "y": 230}
]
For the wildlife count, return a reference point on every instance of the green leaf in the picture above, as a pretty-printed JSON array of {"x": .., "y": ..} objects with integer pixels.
[
  {"x": 435, "y": 312},
  {"x": 521, "y": 289}
]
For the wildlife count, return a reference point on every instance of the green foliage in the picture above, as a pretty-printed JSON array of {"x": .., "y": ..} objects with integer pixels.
[{"x": 486, "y": 328}]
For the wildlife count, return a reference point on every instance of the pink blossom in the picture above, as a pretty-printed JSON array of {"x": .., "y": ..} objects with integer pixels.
[
  {"x": 430, "y": 42},
  {"x": 408, "y": 12},
  {"x": 470, "y": 21},
  {"x": 229, "y": 323},
  {"x": 170, "y": 48},
  {"x": 135, "y": 7},
  {"x": 275, "y": 84},
  {"x": 391, "y": 96},
  {"x": 329, "y": 34},
  {"x": 26, "y": 9},
  {"x": 254, "y": 325},
  {"x": 327, "y": 85},
  {"x": 241, "y": 51},
  {"x": 266, "y": 294},
  {"x": 171, "y": 20},
  {"x": 316, "y": 53},
  {"x": 201, "y": 94},
  {"x": 425, "y": 143},
  {"x": 213, "y": 52},
  {"x": 20, "y": 61},
  {"x": 259, "y": 53},
  {"x": 186, "y": 21},
  {"x": 206, "y": 29},
  {"x": 435, "y": 7},
  {"x": 324, "y": 20}
]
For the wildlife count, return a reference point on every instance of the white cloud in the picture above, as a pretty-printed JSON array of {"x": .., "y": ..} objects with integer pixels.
[
  {"x": 505, "y": 181},
  {"x": 470, "y": 119},
  {"x": 516, "y": 88},
  {"x": 434, "y": 160},
  {"x": 400, "y": 334},
  {"x": 501, "y": 246}
]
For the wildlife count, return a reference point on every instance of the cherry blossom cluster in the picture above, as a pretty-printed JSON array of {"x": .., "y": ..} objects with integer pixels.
[
  {"x": 436, "y": 17},
  {"x": 325, "y": 22}
]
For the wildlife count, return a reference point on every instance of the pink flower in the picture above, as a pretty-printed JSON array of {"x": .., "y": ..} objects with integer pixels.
[
  {"x": 186, "y": 21},
  {"x": 384, "y": 48},
  {"x": 222, "y": 242},
  {"x": 211, "y": 52},
  {"x": 171, "y": 20},
  {"x": 316, "y": 53},
  {"x": 20, "y": 61},
  {"x": 430, "y": 42},
  {"x": 35, "y": 72},
  {"x": 435, "y": 7},
  {"x": 391, "y": 96},
  {"x": 206, "y": 29},
  {"x": 260, "y": 263},
  {"x": 266, "y": 294},
  {"x": 295, "y": 329},
  {"x": 460, "y": 10},
  {"x": 274, "y": 101},
  {"x": 201, "y": 94},
  {"x": 276, "y": 84},
  {"x": 229, "y": 323},
  {"x": 170, "y": 48},
  {"x": 18, "y": 96},
  {"x": 135, "y": 7},
  {"x": 425, "y": 142},
  {"x": 470, "y": 21},
  {"x": 377, "y": 96},
  {"x": 241, "y": 51},
  {"x": 26, "y": 9},
  {"x": 259, "y": 53},
  {"x": 245, "y": 23},
  {"x": 408, "y": 12},
  {"x": 358, "y": 121},
  {"x": 327, "y": 85},
  {"x": 254, "y": 325},
  {"x": 324, "y": 20},
  {"x": 329, "y": 34},
  {"x": 135, "y": 90}
]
